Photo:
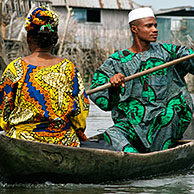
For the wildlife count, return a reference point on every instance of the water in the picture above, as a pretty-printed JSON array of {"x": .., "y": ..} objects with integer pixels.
[
  {"x": 179, "y": 184},
  {"x": 96, "y": 123}
]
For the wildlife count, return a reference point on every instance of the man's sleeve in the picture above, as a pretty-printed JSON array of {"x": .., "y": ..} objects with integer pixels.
[
  {"x": 178, "y": 51},
  {"x": 105, "y": 99}
]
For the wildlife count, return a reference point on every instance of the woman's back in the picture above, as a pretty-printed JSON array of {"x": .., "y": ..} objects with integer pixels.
[{"x": 42, "y": 97}]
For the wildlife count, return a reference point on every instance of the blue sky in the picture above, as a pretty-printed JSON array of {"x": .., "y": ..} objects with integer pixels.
[{"x": 163, "y": 4}]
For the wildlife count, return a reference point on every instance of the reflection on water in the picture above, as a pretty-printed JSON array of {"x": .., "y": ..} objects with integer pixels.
[
  {"x": 174, "y": 184},
  {"x": 97, "y": 120},
  {"x": 179, "y": 184}
]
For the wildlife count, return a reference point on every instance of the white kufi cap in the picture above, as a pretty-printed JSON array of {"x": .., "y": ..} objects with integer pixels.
[{"x": 139, "y": 13}]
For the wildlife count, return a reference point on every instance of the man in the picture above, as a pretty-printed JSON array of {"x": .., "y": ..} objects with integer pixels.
[{"x": 151, "y": 112}]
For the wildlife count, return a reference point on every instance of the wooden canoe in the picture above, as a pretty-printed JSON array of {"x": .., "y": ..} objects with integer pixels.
[{"x": 27, "y": 161}]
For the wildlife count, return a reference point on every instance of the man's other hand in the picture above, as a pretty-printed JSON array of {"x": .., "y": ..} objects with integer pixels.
[{"x": 117, "y": 80}]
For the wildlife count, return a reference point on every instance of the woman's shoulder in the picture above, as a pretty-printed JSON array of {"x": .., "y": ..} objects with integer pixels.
[
  {"x": 66, "y": 64},
  {"x": 13, "y": 71},
  {"x": 13, "y": 65},
  {"x": 15, "y": 61}
]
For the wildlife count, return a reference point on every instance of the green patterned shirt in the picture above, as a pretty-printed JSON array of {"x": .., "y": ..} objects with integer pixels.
[{"x": 144, "y": 98}]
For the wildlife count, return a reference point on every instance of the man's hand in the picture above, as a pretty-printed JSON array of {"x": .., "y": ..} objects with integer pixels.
[{"x": 117, "y": 80}]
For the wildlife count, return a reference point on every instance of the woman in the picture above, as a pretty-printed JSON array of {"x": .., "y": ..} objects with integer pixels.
[{"x": 42, "y": 96}]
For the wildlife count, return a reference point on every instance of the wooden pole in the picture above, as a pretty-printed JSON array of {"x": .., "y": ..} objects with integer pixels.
[
  {"x": 174, "y": 62},
  {"x": 2, "y": 54},
  {"x": 69, "y": 14},
  {"x": 1, "y": 18}
]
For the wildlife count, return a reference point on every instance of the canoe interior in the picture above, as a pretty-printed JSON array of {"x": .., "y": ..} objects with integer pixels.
[{"x": 99, "y": 140}]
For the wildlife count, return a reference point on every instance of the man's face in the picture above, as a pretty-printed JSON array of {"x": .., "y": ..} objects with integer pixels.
[{"x": 146, "y": 29}]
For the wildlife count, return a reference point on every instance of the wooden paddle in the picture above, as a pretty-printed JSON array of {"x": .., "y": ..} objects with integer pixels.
[{"x": 139, "y": 74}]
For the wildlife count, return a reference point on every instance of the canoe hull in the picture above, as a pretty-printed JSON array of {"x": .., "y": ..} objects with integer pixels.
[{"x": 26, "y": 161}]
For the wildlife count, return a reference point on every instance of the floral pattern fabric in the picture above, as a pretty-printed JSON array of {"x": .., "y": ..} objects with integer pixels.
[{"x": 43, "y": 103}]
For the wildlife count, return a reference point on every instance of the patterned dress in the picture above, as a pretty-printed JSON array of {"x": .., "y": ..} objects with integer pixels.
[
  {"x": 43, "y": 103},
  {"x": 152, "y": 111}
]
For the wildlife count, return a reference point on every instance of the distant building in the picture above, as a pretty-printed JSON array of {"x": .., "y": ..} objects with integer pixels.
[
  {"x": 104, "y": 21},
  {"x": 176, "y": 24},
  {"x": 12, "y": 27},
  {"x": 14, "y": 13}
]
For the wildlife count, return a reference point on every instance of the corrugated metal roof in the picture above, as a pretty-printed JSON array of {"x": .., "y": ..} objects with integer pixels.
[
  {"x": 46, "y": 1},
  {"x": 174, "y": 9},
  {"x": 101, "y": 4}
]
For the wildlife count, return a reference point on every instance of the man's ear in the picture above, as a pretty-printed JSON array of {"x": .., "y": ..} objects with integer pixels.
[{"x": 133, "y": 28}]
